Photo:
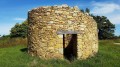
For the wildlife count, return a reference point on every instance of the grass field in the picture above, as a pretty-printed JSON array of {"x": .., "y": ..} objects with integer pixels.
[
  {"x": 15, "y": 56},
  {"x": 7, "y": 41}
]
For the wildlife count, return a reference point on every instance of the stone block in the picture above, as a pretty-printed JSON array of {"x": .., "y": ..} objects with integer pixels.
[
  {"x": 69, "y": 17},
  {"x": 66, "y": 13},
  {"x": 58, "y": 11},
  {"x": 50, "y": 48},
  {"x": 61, "y": 50},
  {"x": 74, "y": 14},
  {"x": 60, "y": 36},
  {"x": 82, "y": 28},
  {"x": 70, "y": 22},
  {"x": 50, "y": 22},
  {"x": 48, "y": 27}
]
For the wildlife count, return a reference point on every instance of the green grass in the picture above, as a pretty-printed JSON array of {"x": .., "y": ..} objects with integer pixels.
[{"x": 108, "y": 56}]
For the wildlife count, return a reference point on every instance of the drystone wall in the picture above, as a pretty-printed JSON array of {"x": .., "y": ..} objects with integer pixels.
[{"x": 49, "y": 25}]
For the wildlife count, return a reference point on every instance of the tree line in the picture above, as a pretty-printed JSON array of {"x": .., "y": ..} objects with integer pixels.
[{"x": 105, "y": 28}]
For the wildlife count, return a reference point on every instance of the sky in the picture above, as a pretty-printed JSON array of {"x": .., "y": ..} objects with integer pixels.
[{"x": 15, "y": 11}]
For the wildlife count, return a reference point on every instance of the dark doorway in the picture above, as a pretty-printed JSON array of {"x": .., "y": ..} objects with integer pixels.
[{"x": 70, "y": 46}]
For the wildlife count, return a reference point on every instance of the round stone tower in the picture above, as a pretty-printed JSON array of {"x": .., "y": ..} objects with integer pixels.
[{"x": 61, "y": 32}]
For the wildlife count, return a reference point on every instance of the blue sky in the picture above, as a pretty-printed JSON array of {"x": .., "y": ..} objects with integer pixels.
[{"x": 15, "y": 11}]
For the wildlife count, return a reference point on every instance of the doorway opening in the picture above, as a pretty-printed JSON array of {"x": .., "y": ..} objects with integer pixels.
[{"x": 70, "y": 46}]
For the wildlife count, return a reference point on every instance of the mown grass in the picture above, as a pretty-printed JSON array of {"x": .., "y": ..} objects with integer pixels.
[{"x": 15, "y": 56}]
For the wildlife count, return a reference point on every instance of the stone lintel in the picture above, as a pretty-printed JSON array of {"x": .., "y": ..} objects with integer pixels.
[{"x": 68, "y": 32}]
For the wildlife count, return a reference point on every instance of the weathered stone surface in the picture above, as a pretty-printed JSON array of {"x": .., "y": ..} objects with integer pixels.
[
  {"x": 60, "y": 36},
  {"x": 49, "y": 25}
]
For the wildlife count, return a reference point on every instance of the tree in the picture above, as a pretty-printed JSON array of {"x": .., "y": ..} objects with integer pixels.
[
  {"x": 87, "y": 10},
  {"x": 105, "y": 27},
  {"x": 19, "y": 30},
  {"x": 82, "y": 10}
]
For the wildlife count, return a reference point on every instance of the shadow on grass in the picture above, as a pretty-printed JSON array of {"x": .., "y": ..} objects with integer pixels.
[{"x": 24, "y": 49}]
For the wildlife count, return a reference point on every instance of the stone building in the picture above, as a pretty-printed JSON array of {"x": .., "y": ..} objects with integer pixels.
[{"x": 61, "y": 31}]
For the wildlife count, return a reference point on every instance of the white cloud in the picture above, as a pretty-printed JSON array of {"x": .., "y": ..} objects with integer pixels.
[
  {"x": 20, "y": 19},
  {"x": 114, "y": 19},
  {"x": 5, "y": 29},
  {"x": 110, "y": 10},
  {"x": 104, "y": 8}
]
